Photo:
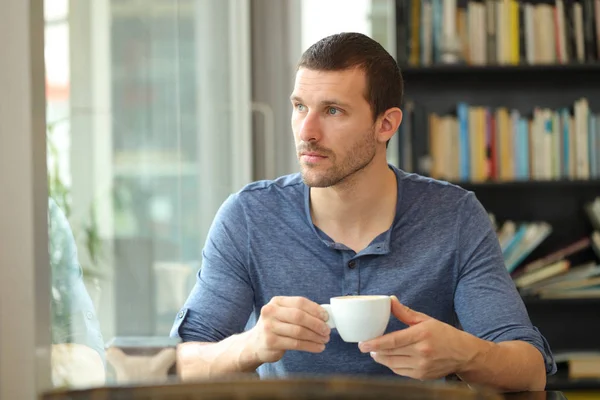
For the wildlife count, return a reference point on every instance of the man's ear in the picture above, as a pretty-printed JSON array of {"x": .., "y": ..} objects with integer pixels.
[{"x": 389, "y": 123}]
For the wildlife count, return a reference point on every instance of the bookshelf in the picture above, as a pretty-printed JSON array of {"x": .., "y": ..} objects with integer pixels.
[
  {"x": 514, "y": 78},
  {"x": 560, "y": 203},
  {"x": 520, "y": 86}
]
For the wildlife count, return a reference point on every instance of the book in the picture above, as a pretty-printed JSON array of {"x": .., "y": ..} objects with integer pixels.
[
  {"x": 534, "y": 234},
  {"x": 478, "y": 143},
  {"x": 557, "y": 268},
  {"x": 493, "y": 32},
  {"x": 581, "y": 364},
  {"x": 574, "y": 274},
  {"x": 558, "y": 255}
]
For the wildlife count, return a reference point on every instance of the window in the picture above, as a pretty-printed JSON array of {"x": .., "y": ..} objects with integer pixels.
[{"x": 148, "y": 125}]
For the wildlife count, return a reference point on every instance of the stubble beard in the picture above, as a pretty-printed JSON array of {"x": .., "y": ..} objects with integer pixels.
[{"x": 359, "y": 157}]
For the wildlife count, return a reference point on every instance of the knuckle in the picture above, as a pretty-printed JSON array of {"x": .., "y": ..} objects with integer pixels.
[
  {"x": 292, "y": 301},
  {"x": 296, "y": 315},
  {"x": 298, "y": 301},
  {"x": 423, "y": 335},
  {"x": 267, "y": 325},
  {"x": 425, "y": 349},
  {"x": 267, "y": 310},
  {"x": 295, "y": 344}
]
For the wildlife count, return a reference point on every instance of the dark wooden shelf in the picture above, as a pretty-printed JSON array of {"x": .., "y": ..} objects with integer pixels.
[
  {"x": 521, "y": 87},
  {"x": 491, "y": 70},
  {"x": 567, "y": 324},
  {"x": 575, "y": 302},
  {"x": 532, "y": 184}
]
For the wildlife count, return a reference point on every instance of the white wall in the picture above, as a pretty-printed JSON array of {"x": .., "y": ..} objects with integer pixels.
[{"x": 322, "y": 18}]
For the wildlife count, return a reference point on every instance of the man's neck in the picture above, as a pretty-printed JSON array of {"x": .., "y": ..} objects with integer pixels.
[{"x": 358, "y": 209}]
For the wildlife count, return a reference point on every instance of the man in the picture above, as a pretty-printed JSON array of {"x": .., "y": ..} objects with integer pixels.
[{"x": 352, "y": 224}]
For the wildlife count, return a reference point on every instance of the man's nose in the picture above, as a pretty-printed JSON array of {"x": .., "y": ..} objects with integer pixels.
[{"x": 310, "y": 129}]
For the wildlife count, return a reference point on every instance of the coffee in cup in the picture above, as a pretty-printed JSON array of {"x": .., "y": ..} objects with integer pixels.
[{"x": 359, "y": 318}]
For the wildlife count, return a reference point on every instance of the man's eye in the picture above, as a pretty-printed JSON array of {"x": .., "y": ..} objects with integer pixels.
[
  {"x": 332, "y": 111},
  {"x": 300, "y": 107}
]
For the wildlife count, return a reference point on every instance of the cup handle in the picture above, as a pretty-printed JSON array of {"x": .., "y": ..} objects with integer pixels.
[{"x": 330, "y": 320}]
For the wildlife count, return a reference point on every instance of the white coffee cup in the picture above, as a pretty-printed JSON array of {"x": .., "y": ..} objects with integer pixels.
[{"x": 359, "y": 318}]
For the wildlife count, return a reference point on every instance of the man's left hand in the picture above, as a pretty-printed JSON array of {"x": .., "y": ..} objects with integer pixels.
[{"x": 427, "y": 349}]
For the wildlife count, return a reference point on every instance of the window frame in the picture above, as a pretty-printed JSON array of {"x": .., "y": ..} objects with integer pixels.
[{"x": 24, "y": 272}]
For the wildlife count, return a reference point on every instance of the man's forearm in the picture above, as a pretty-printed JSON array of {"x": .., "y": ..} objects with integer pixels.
[
  {"x": 200, "y": 360},
  {"x": 506, "y": 366}
]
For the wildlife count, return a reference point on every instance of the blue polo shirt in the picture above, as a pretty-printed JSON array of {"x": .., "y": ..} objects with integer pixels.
[{"x": 441, "y": 257}]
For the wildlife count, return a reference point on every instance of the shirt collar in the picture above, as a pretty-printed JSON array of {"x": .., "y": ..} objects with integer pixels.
[{"x": 380, "y": 245}]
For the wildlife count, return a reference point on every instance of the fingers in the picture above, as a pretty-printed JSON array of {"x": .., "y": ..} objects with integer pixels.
[
  {"x": 292, "y": 323},
  {"x": 298, "y": 311},
  {"x": 400, "y": 365},
  {"x": 287, "y": 343},
  {"x": 408, "y": 372},
  {"x": 408, "y": 351},
  {"x": 412, "y": 367},
  {"x": 302, "y": 303},
  {"x": 393, "y": 362},
  {"x": 298, "y": 332},
  {"x": 405, "y": 314},
  {"x": 391, "y": 341}
]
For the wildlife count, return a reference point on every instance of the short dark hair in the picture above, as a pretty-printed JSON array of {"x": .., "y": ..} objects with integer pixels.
[{"x": 354, "y": 50}]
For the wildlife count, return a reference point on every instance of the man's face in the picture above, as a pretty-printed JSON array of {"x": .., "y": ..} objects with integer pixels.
[{"x": 332, "y": 124}]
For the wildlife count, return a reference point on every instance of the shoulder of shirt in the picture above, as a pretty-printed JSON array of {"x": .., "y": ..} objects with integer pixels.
[
  {"x": 283, "y": 183},
  {"x": 428, "y": 184}
]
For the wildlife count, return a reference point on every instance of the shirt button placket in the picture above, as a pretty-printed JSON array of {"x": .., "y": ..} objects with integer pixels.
[{"x": 352, "y": 278}]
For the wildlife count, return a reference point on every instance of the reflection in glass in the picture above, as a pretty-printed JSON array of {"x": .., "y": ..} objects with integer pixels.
[
  {"x": 77, "y": 344},
  {"x": 148, "y": 123}
]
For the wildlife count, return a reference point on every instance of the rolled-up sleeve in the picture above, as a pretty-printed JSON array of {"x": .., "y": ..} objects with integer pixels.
[
  {"x": 487, "y": 302},
  {"x": 222, "y": 299}
]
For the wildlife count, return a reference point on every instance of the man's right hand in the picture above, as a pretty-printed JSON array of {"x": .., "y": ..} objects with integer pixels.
[{"x": 288, "y": 323}]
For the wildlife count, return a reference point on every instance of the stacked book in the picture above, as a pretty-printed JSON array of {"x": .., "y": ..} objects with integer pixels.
[{"x": 554, "y": 275}]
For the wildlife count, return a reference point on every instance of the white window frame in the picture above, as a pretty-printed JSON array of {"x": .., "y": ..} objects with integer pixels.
[{"x": 24, "y": 265}]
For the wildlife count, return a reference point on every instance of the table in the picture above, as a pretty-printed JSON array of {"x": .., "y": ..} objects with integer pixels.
[{"x": 324, "y": 388}]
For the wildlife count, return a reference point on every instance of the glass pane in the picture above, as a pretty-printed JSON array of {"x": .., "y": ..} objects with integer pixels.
[{"x": 145, "y": 115}]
